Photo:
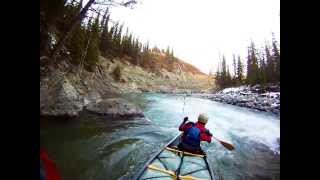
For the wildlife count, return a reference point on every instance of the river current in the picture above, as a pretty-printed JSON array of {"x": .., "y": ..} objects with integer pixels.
[{"x": 92, "y": 147}]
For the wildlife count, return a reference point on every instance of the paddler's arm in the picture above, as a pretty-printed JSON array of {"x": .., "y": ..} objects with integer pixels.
[
  {"x": 181, "y": 127},
  {"x": 207, "y": 136}
]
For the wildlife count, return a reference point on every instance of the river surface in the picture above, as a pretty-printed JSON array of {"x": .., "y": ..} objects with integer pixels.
[{"x": 93, "y": 147}]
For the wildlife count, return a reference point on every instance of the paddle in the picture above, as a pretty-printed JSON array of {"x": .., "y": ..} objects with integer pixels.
[{"x": 225, "y": 144}]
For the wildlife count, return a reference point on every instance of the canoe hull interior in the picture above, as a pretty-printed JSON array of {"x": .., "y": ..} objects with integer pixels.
[{"x": 171, "y": 163}]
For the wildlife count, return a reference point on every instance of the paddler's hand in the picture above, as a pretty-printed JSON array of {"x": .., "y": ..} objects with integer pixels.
[
  {"x": 208, "y": 132},
  {"x": 185, "y": 119}
]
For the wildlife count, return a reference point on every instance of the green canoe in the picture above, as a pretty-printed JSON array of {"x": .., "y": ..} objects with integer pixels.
[{"x": 171, "y": 163}]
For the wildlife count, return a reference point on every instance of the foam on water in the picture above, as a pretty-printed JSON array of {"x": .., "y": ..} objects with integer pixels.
[{"x": 224, "y": 120}]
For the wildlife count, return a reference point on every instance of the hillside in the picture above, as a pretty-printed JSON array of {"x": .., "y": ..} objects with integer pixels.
[
  {"x": 158, "y": 78},
  {"x": 152, "y": 71},
  {"x": 65, "y": 89},
  {"x": 158, "y": 60}
]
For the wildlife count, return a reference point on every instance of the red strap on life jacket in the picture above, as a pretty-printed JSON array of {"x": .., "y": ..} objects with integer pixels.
[{"x": 51, "y": 170}]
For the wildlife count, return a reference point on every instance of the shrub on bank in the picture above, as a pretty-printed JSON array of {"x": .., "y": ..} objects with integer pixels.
[{"x": 117, "y": 73}]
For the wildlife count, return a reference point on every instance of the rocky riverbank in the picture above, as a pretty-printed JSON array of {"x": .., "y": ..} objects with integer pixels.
[
  {"x": 67, "y": 90},
  {"x": 263, "y": 98}
]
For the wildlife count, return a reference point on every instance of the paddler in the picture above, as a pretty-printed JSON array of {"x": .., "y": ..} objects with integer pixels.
[{"x": 193, "y": 133}]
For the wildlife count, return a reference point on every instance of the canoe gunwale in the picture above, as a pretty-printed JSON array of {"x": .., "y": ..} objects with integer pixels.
[
  {"x": 141, "y": 171},
  {"x": 139, "y": 174}
]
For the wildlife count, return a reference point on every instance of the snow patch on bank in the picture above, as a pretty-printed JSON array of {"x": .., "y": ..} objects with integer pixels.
[
  {"x": 234, "y": 89},
  {"x": 262, "y": 98}
]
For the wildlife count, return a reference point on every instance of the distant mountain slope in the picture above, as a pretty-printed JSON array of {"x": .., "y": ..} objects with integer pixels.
[
  {"x": 156, "y": 61},
  {"x": 186, "y": 67},
  {"x": 158, "y": 75}
]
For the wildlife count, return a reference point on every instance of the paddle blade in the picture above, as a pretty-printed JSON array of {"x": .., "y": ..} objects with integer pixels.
[{"x": 227, "y": 145}]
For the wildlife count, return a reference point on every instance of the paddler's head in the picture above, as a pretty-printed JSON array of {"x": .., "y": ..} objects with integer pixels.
[{"x": 203, "y": 118}]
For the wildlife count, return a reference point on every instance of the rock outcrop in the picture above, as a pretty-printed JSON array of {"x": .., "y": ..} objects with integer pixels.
[
  {"x": 92, "y": 97},
  {"x": 60, "y": 98}
]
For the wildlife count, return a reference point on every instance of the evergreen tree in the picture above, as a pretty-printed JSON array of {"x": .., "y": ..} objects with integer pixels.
[
  {"x": 234, "y": 78},
  {"x": 168, "y": 51},
  {"x": 147, "y": 47},
  {"x": 76, "y": 43},
  {"x": 105, "y": 42},
  {"x": 131, "y": 46},
  {"x": 262, "y": 69},
  {"x": 223, "y": 72},
  {"x": 218, "y": 77},
  {"x": 51, "y": 13},
  {"x": 114, "y": 40},
  {"x": 93, "y": 46},
  {"x": 137, "y": 50},
  {"x": 118, "y": 47},
  {"x": 145, "y": 59},
  {"x": 276, "y": 58},
  {"x": 109, "y": 48},
  {"x": 224, "y": 67},
  {"x": 171, "y": 61},
  {"x": 239, "y": 70},
  {"x": 172, "y": 55},
  {"x": 126, "y": 43},
  {"x": 255, "y": 66},
  {"x": 68, "y": 13},
  {"x": 263, "y": 66},
  {"x": 228, "y": 80},
  {"x": 168, "y": 57},
  {"x": 223, "y": 77},
  {"x": 121, "y": 49},
  {"x": 249, "y": 67},
  {"x": 252, "y": 66},
  {"x": 270, "y": 65}
]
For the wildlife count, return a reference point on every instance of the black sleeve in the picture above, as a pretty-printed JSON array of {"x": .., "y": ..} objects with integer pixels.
[
  {"x": 208, "y": 132},
  {"x": 190, "y": 123}
]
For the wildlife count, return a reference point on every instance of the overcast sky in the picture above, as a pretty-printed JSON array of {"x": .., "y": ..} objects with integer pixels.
[{"x": 199, "y": 30}]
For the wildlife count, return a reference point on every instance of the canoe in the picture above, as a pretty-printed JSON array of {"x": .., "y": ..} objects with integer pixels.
[{"x": 171, "y": 163}]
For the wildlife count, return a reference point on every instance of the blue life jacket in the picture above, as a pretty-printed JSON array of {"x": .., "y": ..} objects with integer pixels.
[{"x": 192, "y": 137}]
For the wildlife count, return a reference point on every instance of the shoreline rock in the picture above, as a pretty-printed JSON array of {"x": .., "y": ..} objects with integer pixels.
[
  {"x": 60, "y": 99},
  {"x": 254, "y": 97}
]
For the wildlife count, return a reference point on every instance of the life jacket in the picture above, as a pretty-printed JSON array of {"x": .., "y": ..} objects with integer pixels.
[{"x": 192, "y": 137}]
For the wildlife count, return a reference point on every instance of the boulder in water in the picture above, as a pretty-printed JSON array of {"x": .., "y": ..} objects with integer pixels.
[{"x": 115, "y": 107}]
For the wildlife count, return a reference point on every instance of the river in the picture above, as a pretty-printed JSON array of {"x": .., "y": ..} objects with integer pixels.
[{"x": 92, "y": 147}]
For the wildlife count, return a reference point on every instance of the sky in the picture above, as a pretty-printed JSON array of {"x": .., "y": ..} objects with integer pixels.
[{"x": 201, "y": 31}]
